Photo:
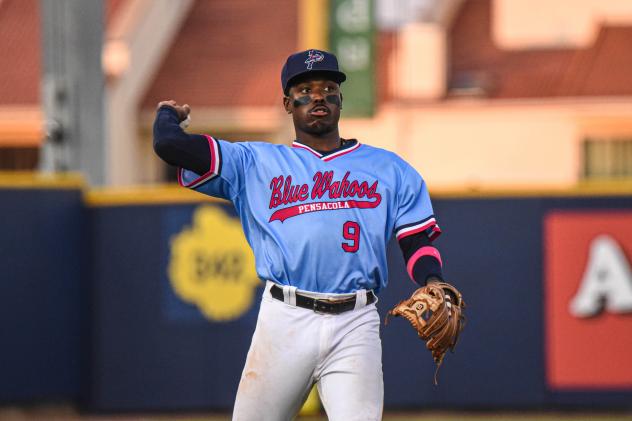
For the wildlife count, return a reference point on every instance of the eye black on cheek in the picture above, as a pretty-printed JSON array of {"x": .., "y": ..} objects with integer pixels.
[
  {"x": 333, "y": 99},
  {"x": 302, "y": 100}
]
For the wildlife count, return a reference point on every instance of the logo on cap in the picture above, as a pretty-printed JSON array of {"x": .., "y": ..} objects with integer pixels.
[{"x": 313, "y": 57}]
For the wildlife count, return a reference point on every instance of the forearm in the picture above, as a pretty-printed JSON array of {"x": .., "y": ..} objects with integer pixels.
[{"x": 176, "y": 147}]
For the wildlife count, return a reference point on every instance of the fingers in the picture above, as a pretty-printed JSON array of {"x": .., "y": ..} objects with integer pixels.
[
  {"x": 184, "y": 115},
  {"x": 182, "y": 110},
  {"x": 170, "y": 103}
]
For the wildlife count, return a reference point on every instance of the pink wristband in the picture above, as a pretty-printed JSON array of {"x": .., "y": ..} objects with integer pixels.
[{"x": 424, "y": 251}]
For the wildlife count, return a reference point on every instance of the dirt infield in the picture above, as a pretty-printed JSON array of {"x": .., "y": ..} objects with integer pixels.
[{"x": 64, "y": 413}]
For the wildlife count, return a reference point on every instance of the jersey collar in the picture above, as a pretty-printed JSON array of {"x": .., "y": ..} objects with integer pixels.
[{"x": 348, "y": 146}]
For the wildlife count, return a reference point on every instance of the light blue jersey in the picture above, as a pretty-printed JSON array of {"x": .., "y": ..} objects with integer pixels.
[{"x": 318, "y": 222}]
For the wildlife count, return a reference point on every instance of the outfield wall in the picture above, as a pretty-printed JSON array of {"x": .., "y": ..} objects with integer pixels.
[
  {"x": 146, "y": 300},
  {"x": 42, "y": 264}
]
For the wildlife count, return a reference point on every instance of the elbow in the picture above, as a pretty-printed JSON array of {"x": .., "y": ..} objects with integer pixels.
[
  {"x": 162, "y": 146},
  {"x": 162, "y": 140}
]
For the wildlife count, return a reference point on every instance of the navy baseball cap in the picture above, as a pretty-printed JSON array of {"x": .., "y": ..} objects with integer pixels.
[{"x": 317, "y": 61}]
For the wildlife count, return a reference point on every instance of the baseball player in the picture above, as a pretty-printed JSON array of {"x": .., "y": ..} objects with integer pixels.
[{"x": 318, "y": 215}]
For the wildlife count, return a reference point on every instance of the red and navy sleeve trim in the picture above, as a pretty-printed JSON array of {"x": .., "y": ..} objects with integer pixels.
[
  {"x": 214, "y": 170},
  {"x": 429, "y": 225}
]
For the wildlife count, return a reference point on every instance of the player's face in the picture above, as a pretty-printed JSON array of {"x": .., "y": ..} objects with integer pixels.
[{"x": 315, "y": 105}]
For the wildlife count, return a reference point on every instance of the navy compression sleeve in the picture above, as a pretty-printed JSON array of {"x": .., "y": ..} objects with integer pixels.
[{"x": 178, "y": 148}]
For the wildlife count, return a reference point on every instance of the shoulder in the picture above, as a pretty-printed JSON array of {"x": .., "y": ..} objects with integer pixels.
[
  {"x": 392, "y": 158},
  {"x": 252, "y": 146},
  {"x": 385, "y": 153}
]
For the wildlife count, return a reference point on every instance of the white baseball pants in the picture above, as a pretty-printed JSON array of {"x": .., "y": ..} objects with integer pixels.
[{"x": 293, "y": 348}]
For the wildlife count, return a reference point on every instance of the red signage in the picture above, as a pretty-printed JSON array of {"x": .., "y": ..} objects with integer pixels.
[{"x": 588, "y": 299}]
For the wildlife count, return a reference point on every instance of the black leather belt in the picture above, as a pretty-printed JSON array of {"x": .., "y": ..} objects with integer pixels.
[{"x": 322, "y": 306}]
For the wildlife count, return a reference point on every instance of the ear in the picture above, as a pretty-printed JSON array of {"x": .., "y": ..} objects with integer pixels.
[
  {"x": 287, "y": 104},
  {"x": 341, "y": 100}
]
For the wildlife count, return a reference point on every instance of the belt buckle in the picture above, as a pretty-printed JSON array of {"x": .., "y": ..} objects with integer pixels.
[{"x": 319, "y": 307}]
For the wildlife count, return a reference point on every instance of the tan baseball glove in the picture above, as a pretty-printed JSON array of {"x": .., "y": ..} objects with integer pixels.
[{"x": 436, "y": 312}]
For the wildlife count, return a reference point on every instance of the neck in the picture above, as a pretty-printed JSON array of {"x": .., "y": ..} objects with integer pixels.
[{"x": 326, "y": 142}]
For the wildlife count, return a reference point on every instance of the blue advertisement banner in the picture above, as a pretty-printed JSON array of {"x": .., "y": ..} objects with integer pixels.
[
  {"x": 154, "y": 350},
  {"x": 42, "y": 261}
]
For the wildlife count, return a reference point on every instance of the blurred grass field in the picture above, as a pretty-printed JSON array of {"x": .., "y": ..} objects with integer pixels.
[{"x": 62, "y": 413}]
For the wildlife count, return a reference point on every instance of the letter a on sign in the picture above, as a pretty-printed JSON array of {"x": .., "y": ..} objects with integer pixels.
[
  {"x": 607, "y": 280},
  {"x": 588, "y": 271}
]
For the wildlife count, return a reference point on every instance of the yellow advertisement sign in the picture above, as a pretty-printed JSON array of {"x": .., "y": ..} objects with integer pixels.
[{"x": 212, "y": 265}]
